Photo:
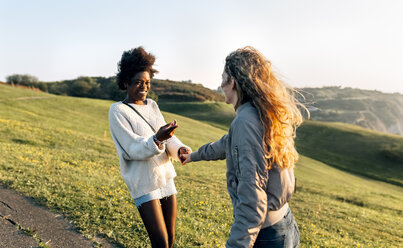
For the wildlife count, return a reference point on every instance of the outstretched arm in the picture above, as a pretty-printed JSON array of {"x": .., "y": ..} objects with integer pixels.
[{"x": 210, "y": 151}]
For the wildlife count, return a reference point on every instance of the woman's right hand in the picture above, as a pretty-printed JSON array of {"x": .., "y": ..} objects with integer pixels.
[{"x": 166, "y": 131}]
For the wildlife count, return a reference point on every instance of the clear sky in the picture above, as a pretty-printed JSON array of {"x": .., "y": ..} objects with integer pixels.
[{"x": 352, "y": 43}]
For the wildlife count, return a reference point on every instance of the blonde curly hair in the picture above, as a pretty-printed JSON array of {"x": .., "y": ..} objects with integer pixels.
[{"x": 274, "y": 100}]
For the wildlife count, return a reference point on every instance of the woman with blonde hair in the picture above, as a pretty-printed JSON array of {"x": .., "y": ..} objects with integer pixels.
[{"x": 260, "y": 152}]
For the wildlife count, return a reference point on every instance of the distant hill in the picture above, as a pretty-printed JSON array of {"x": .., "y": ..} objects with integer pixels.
[
  {"x": 370, "y": 109},
  {"x": 168, "y": 90},
  {"x": 106, "y": 88}
]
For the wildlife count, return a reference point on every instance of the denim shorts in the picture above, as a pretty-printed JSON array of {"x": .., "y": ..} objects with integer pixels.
[
  {"x": 165, "y": 191},
  {"x": 284, "y": 233}
]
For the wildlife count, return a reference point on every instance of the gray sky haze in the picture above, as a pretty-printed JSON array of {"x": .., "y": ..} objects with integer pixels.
[{"x": 355, "y": 43}]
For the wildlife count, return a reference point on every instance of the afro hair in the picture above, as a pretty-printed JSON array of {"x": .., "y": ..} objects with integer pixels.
[{"x": 134, "y": 61}]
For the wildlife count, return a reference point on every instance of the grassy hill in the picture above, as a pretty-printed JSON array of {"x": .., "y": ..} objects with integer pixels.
[
  {"x": 355, "y": 149},
  {"x": 168, "y": 90},
  {"x": 54, "y": 149},
  {"x": 218, "y": 114},
  {"x": 348, "y": 147},
  {"x": 369, "y": 109}
]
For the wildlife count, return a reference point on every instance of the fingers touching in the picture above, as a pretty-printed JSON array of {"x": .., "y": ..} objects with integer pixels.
[{"x": 185, "y": 158}]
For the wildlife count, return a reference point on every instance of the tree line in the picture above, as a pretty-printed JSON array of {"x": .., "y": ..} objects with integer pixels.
[{"x": 106, "y": 88}]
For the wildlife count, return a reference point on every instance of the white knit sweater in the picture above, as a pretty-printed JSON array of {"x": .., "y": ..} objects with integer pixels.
[{"x": 143, "y": 165}]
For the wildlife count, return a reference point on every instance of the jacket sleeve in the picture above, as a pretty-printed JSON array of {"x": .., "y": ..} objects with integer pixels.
[
  {"x": 134, "y": 146},
  {"x": 211, "y": 151},
  {"x": 173, "y": 144},
  {"x": 249, "y": 161}
]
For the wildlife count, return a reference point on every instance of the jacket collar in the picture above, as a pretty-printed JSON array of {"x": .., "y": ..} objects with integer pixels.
[{"x": 243, "y": 107}]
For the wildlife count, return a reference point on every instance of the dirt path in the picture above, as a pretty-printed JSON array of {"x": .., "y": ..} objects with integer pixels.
[{"x": 23, "y": 223}]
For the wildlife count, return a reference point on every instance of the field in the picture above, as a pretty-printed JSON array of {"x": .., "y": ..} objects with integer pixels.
[{"x": 59, "y": 151}]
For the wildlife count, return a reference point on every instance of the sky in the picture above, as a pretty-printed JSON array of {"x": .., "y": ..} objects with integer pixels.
[{"x": 311, "y": 43}]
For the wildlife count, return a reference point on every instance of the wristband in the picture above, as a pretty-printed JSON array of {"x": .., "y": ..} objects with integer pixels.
[{"x": 159, "y": 143}]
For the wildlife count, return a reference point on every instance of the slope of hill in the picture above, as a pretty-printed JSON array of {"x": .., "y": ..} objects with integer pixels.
[
  {"x": 354, "y": 149},
  {"x": 168, "y": 90},
  {"x": 218, "y": 114},
  {"x": 348, "y": 147},
  {"x": 370, "y": 109},
  {"x": 54, "y": 149}
]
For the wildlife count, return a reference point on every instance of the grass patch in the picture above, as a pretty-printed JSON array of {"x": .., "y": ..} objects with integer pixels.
[
  {"x": 354, "y": 149},
  {"x": 217, "y": 114}
]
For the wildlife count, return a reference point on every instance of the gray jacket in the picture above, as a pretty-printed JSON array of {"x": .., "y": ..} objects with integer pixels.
[{"x": 253, "y": 189}]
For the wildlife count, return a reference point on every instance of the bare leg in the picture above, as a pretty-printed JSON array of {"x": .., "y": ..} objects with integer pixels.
[
  {"x": 169, "y": 210},
  {"x": 153, "y": 218}
]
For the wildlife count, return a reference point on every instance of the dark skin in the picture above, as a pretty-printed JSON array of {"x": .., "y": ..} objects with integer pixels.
[
  {"x": 159, "y": 216},
  {"x": 137, "y": 90}
]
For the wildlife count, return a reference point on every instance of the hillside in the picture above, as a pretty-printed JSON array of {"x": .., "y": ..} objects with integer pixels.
[
  {"x": 168, "y": 90},
  {"x": 369, "y": 109},
  {"x": 55, "y": 149},
  {"x": 354, "y": 149},
  {"x": 218, "y": 114},
  {"x": 351, "y": 148}
]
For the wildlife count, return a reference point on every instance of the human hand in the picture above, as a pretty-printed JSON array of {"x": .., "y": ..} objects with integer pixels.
[
  {"x": 166, "y": 131},
  {"x": 185, "y": 158},
  {"x": 183, "y": 150}
]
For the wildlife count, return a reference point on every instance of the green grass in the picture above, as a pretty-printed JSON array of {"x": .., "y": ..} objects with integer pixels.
[
  {"x": 354, "y": 149},
  {"x": 53, "y": 149},
  {"x": 217, "y": 114}
]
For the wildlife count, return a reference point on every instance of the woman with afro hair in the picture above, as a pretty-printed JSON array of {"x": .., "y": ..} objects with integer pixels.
[{"x": 145, "y": 144}]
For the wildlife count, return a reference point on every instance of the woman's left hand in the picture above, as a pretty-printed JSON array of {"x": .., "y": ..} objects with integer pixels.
[
  {"x": 185, "y": 158},
  {"x": 182, "y": 152}
]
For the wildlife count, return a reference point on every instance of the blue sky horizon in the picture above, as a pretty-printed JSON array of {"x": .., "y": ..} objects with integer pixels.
[{"x": 356, "y": 43}]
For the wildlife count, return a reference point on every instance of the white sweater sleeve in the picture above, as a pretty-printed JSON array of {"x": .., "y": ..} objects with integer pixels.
[
  {"x": 173, "y": 145},
  {"x": 134, "y": 147}
]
